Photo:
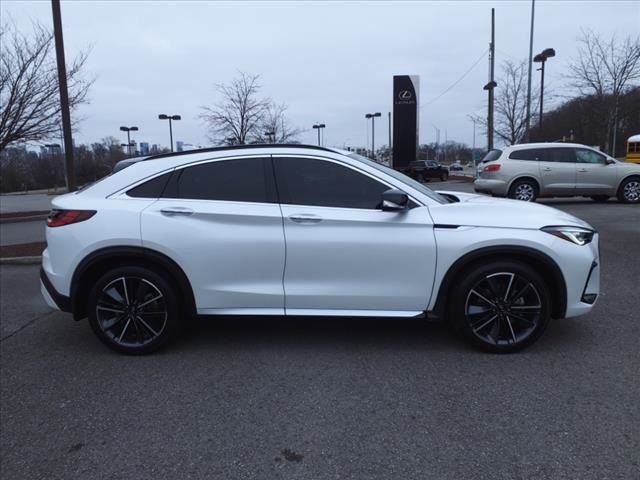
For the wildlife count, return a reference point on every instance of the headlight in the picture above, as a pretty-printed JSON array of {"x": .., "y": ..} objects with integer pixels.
[{"x": 577, "y": 235}]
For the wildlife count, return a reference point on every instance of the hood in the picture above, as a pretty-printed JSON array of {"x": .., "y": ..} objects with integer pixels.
[{"x": 482, "y": 211}]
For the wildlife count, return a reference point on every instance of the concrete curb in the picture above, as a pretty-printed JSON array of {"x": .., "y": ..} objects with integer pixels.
[
  {"x": 32, "y": 260},
  {"x": 30, "y": 218}
]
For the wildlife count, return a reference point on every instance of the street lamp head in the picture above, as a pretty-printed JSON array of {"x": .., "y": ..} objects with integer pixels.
[
  {"x": 176, "y": 117},
  {"x": 322, "y": 125},
  {"x": 549, "y": 52},
  {"x": 134, "y": 129},
  {"x": 163, "y": 116},
  {"x": 123, "y": 129},
  {"x": 315, "y": 125},
  {"x": 491, "y": 85},
  {"x": 377, "y": 114},
  {"x": 368, "y": 115}
]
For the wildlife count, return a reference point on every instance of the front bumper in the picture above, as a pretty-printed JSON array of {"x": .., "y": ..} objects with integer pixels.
[{"x": 53, "y": 298}]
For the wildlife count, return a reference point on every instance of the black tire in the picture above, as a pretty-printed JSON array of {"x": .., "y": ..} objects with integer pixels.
[
  {"x": 629, "y": 191},
  {"x": 600, "y": 198},
  {"x": 139, "y": 320},
  {"x": 480, "y": 313},
  {"x": 525, "y": 190},
  {"x": 444, "y": 176}
]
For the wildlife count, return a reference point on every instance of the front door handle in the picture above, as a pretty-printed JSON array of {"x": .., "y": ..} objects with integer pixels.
[
  {"x": 547, "y": 169},
  {"x": 583, "y": 170},
  {"x": 305, "y": 218},
  {"x": 173, "y": 211}
]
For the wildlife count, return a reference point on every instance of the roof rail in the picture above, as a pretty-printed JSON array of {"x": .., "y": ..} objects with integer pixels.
[{"x": 238, "y": 147}]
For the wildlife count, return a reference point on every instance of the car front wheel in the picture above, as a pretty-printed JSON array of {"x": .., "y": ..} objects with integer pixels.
[
  {"x": 629, "y": 191},
  {"x": 501, "y": 307},
  {"x": 133, "y": 310}
]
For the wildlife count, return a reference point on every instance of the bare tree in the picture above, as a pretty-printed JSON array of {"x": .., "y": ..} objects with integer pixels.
[
  {"x": 511, "y": 104},
  {"x": 274, "y": 127},
  {"x": 29, "y": 95},
  {"x": 606, "y": 69},
  {"x": 239, "y": 115}
]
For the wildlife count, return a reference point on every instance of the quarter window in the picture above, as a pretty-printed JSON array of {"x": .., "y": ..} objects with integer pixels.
[
  {"x": 150, "y": 189},
  {"x": 589, "y": 156},
  {"x": 527, "y": 154},
  {"x": 305, "y": 181},
  {"x": 240, "y": 180}
]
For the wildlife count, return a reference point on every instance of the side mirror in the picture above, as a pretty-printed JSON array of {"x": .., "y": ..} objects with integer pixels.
[
  {"x": 394, "y": 200},
  {"x": 610, "y": 161}
]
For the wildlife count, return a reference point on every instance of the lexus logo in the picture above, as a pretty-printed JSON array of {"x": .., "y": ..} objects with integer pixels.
[{"x": 404, "y": 95}]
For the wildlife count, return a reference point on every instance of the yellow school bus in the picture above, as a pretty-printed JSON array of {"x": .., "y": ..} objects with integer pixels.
[{"x": 633, "y": 149}]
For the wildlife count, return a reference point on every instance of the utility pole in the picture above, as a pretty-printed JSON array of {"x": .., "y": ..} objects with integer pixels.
[
  {"x": 528, "y": 119},
  {"x": 492, "y": 83},
  {"x": 390, "y": 151},
  {"x": 64, "y": 95}
]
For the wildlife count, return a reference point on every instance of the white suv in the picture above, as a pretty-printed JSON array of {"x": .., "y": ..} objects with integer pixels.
[
  {"x": 528, "y": 171},
  {"x": 300, "y": 230}
]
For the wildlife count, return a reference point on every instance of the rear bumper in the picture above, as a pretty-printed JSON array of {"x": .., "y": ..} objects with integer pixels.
[
  {"x": 494, "y": 187},
  {"x": 53, "y": 298}
]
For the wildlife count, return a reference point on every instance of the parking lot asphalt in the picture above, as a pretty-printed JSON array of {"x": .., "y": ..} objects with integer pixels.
[{"x": 240, "y": 398}]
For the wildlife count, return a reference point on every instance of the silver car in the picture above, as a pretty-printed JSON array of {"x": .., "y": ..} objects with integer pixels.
[{"x": 528, "y": 171}]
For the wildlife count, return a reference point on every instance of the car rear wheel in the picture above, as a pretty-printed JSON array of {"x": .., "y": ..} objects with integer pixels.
[
  {"x": 600, "y": 198},
  {"x": 444, "y": 176},
  {"x": 629, "y": 191},
  {"x": 501, "y": 307},
  {"x": 525, "y": 190},
  {"x": 133, "y": 310}
]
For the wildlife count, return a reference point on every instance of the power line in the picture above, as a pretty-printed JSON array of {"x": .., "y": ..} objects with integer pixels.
[{"x": 459, "y": 80}]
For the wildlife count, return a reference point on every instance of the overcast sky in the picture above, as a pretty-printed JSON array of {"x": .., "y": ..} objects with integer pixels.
[{"x": 328, "y": 61}]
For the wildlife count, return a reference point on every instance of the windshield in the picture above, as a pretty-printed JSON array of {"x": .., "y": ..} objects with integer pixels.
[{"x": 403, "y": 178}]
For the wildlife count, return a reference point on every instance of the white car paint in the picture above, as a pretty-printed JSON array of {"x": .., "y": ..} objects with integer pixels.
[{"x": 254, "y": 258}]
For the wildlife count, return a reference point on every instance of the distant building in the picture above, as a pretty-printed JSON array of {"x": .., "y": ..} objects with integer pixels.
[
  {"x": 144, "y": 148},
  {"x": 154, "y": 148},
  {"x": 179, "y": 145}
]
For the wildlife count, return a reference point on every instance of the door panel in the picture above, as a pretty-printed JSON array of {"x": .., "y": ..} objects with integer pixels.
[
  {"x": 352, "y": 260},
  {"x": 231, "y": 251},
  {"x": 557, "y": 171},
  {"x": 594, "y": 175}
]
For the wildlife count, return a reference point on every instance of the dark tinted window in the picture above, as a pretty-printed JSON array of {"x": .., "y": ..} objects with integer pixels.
[
  {"x": 527, "y": 154},
  {"x": 303, "y": 181},
  {"x": 491, "y": 155},
  {"x": 151, "y": 189},
  {"x": 589, "y": 156},
  {"x": 558, "y": 155},
  {"x": 242, "y": 180}
]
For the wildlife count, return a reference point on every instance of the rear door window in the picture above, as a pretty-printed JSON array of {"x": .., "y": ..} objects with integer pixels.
[
  {"x": 237, "y": 180},
  {"x": 559, "y": 155}
]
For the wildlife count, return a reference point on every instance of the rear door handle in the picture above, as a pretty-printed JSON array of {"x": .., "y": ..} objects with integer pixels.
[
  {"x": 582, "y": 170},
  {"x": 173, "y": 211},
  {"x": 305, "y": 218},
  {"x": 547, "y": 169}
]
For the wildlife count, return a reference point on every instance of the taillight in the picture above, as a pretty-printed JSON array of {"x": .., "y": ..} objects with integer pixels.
[
  {"x": 58, "y": 218},
  {"x": 492, "y": 167}
]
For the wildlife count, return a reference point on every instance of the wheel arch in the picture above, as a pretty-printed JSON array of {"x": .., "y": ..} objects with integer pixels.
[
  {"x": 98, "y": 262},
  {"x": 525, "y": 177},
  {"x": 535, "y": 259}
]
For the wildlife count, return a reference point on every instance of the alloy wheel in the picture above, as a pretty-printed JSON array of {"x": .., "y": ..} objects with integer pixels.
[
  {"x": 524, "y": 192},
  {"x": 503, "y": 308},
  {"x": 131, "y": 311},
  {"x": 631, "y": 191}
]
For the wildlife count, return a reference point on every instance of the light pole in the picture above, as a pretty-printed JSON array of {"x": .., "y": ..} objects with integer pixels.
[
  {"x": 163, "y": 116},
  {"x": 319, "y": 126},
  {"x": 129, "y": 130},
  {"x": 528, "y": 118},
  {"x": 373, "y": 116},
  {"x": 272, "y": 136},
  {"x": 542, "y": 58}
]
